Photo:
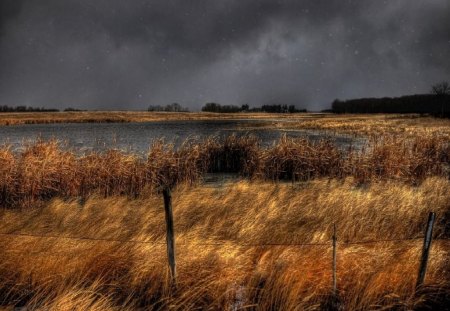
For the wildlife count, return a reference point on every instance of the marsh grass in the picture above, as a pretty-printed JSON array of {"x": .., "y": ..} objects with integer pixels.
[
  {"x": 7, "y": 119},
  {"x": 44, "y": 170},
  {"x": 224, "y": 262},
  {"x": 405, "y": 125},
  {"x": 411, "y": 125},
  {"x": 234, "y": 243}
]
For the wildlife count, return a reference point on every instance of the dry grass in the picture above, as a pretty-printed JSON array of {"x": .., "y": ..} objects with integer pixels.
[
  {"x": 383, "y": 191},
  {"x": 371, "y": 124},
  {"x": 354, "y": 124},
  {"x": 45, "y": 170},
  {"x": 121, "y": 116},
  {"x": 64, "y": 274}
]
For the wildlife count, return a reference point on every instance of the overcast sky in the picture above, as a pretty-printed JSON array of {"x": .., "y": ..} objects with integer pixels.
[{"x": 117, "y": 54}]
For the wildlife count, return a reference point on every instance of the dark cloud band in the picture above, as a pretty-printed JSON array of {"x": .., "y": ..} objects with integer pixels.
[{"x": 130, "y": 54}]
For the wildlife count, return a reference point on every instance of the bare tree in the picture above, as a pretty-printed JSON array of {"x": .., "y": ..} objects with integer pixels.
[{"x": 441, "y": 88}]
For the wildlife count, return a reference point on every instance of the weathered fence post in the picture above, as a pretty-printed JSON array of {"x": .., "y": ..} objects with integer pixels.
[
  {"x": 426, "y": 249},
  {"x": 170, "y": 234},
  {"x": 334, "y": 260}
]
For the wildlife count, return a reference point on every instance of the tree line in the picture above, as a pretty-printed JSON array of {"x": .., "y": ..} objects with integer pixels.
[
  {"x": 214, "y": 107},
  {"x": 427, "y": 103},
  {"x": 6, "y": 108},
  {"x": 175, "y": 107},
  {"x": 436, "y": 103}
]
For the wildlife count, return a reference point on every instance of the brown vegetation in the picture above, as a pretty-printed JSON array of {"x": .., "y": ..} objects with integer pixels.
[
  {"x": 354, "y": 124},
  {"x": 45, "y": 170},
  {"x": 117, "y": 117},
  {"x": 404, "y": 125},
  {"x": 220, "y": 265},
  {"x": 97, "y": 240},
  {"x": 378, "y": 124}
]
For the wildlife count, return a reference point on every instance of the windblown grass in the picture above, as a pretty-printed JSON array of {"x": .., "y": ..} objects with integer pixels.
[
  {"x": 45, "y": 170},
  {"x": 220, "y": 265},
  {"x": 227, "y": 238}
]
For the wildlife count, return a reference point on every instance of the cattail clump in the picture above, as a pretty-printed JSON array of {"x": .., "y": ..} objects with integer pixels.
[{"x": 45, "y": 169}]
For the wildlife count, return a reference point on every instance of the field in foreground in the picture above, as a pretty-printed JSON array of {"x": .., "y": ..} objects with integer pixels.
[
  {"x": 87, "y": 232},
  {"x": 228, "y": 255}
]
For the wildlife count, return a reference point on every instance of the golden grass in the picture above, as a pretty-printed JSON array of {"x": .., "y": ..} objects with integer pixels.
[
  {"x": 121, "y": 116},
  {"x": 65, "y": 274},
  {"x": 383, "y": 191},
  {"x": 354, "y": 124},
  {"x": 402, "y": 125},
  {"x": 45, "y": 170}
]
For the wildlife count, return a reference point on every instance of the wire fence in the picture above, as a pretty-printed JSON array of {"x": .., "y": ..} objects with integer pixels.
[
  {"x": 217, "y": 243},
  {"x": 170, "y": 243}
]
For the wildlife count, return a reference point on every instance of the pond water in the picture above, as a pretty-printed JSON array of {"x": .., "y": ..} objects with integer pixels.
[{"x": 137, "y": 137}]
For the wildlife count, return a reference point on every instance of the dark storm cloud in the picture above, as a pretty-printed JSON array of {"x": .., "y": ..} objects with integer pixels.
[{"x": 130, "y": 54}]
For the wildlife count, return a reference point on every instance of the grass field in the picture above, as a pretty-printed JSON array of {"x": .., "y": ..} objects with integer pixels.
[
  {"x": 88, "y": 232},
  {"x": 357, "y": 124},
  {"x": 220, "y": 265},
  {"x": 120, "y": 116},
  {"x": 45, "y": 170}
]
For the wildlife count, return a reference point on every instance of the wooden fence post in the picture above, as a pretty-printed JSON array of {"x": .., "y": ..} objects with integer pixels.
[
  {"x": 170, "y": 234},
  {"x": 426, "y": 249},
  {"x": 334, "y": 260}
]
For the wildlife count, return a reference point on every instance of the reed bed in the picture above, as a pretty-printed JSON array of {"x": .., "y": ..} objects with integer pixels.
[
  {"x": 406, "y": 125},
  {"x": 45, "y": 169},
  {"x": 225, "y": 252},
  {"x": 9, "y": 119}
]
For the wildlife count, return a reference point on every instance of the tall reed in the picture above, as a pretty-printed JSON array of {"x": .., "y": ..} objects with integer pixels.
[{"x": 45, "y": 170}]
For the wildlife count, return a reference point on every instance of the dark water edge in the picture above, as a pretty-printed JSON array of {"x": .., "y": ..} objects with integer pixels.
[{"x": 137, "y": 137}]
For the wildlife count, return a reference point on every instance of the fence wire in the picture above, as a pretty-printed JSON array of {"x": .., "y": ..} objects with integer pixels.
[{"x": 218, "y": 243}]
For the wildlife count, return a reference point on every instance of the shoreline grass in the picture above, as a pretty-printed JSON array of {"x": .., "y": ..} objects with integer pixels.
[
  {"x": 122, "y": 116},
  {"x": 353, "y": 124},
  {"x": 45, "y": 170}
]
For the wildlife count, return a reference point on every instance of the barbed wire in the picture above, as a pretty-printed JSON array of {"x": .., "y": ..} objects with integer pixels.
[
  {"x": 380, "y": 241},
  {"x": 74, "y": 238},
  {"x": 218, "y": 243}
]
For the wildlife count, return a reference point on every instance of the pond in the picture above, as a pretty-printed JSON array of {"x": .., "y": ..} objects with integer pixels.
[{"x": 137, "y": 137}]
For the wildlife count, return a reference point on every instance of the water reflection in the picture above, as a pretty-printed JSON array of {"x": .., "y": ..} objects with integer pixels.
[{"x": 137, "y": 137}]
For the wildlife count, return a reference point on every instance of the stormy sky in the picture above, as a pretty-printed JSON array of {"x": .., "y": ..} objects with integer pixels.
[{"x": 116, "y": 54}]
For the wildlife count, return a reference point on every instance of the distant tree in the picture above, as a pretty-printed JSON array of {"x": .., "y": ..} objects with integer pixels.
[
  {"x": 211, "y": 107},
  {"x": 441, "y": 88},
  {"x": 26, "y": 109},
  {"x": 155, "y": 108},
  {"x": 214, "y": 107},
  {"x": 274, "y": 108},
  {"x": 175, "y": 107},
  {"x": 72, "y": 109},
  {"x": 420, "y": 103},
  {"x": 255, "y": 109}
]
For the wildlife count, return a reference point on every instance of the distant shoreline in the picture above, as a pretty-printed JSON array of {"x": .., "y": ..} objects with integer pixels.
[
  {"x": 354, "y": 124},
  {"x": 18, "y": 118}
]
